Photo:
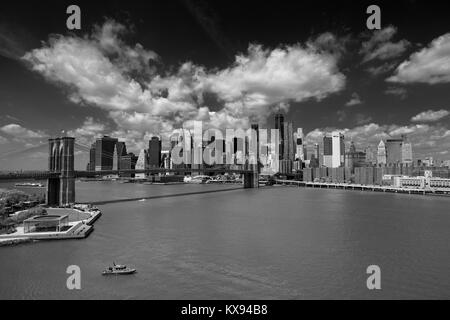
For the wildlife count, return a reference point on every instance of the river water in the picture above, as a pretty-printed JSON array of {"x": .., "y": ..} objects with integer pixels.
[{"x": 268, "y": 243}]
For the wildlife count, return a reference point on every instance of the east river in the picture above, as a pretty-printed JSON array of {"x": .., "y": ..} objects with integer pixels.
[{"x": 267, "y": 243}]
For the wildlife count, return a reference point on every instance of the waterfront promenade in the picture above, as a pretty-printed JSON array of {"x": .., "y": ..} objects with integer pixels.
[{"x": 349, "y": 186}]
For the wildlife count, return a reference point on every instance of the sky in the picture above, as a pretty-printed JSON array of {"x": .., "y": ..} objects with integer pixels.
[{"x": 143, "y": 68}]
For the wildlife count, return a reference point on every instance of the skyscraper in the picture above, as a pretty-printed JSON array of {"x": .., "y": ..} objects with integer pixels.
[
  {"x": 289, "y": 144},
  {"x": 381, "y": 153},
  {"x": 104, "y": 150},
  {"x": 338, "y": 150},
  {"x": 128, "y": 162},
  {"x": 370, "y": 157},
  {"x": 279, "y": 125},
  {"x": 394, "y": 151},
  {"x": 334, "y": 150},
  {"x": 121, "y": 151},
  {"x": 327, "y": 151},
  {"x": 355, "y": 158},
  {"x": 317, "y": 151},
  {"x": 91, "y": 166},
  {"x": 141, "y": 164},
  {"x": 255, "y": 127},
  {"x": 115, "y": 165},
  {"x": 407, "y": 157},
  {"x": 154, "y": 152},
  {"x": 299, "y": 145},
  {"x": 315, "y": 157}
]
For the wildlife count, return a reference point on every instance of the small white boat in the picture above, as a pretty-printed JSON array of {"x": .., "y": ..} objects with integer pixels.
[
  {"x": 29, "y": 185},
  {"x": 199, "y": 179},
  {"x": 118, "y": 269}
]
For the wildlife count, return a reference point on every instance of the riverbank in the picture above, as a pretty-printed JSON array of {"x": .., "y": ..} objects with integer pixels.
[
  {"x": 13, "y": 242},
  {"x": 358, "y": 187}
]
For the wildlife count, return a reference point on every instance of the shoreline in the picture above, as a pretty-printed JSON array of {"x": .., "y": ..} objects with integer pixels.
[{"x": 366, "y": 188}]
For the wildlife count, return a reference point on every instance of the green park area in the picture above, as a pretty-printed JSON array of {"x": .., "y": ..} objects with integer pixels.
[{"x": 17, "y": 206}]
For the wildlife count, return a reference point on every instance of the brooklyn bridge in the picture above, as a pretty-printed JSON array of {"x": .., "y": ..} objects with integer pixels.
[{"x": 61, "y": 173}]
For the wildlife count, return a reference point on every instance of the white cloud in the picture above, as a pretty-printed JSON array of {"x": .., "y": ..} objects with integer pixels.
[
  {"x": 384, "y": 68},
  {"x": 430, "y": 65},
  {"x": 89, "y": 130},
  {"x": 19, "y": 132},
  {"x": 380, "y": 46},
  {"x": 328, "y": 42},
  {"x": 430, "y": 116},
  {"x": 354, "y": 101},
  {"x": 397, "y": 91},
  {"x": 100, "y": 71}
]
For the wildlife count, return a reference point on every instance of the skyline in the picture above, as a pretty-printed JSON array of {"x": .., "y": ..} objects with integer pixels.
[{"x": 369, "y": 85}]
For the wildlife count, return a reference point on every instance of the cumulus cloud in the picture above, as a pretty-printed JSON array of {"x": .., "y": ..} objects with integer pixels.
[
  {"x": 101, "y": 70},
  {"x": 397, "y": 91},
  {"x": 328, "y": 42},
  {"x": 380, "y": 46},
  {"x": 88, "y": 131},
  {"x": 354, "y": 101},
  {"x": 430, "y": 116},
  {"x": 19, "y": 132},
  {"x": 430, "y": 65},
  {"x": 381, "y": 69}
]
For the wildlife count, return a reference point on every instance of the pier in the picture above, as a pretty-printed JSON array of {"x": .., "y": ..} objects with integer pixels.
[{"x": 78, "y": 230}]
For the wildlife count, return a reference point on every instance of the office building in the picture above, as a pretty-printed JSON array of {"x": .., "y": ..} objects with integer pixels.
[
  {"x": 334, "y": 150},
  {"x": 299, "y": 145},
  {"x": 279, "y": 125},
  {"x": 327, "y": 151},
  {"x": 381, "y": 154},
  {"x": 256, "y": 146},
  {"x": 394, "y": 151},
  {"x": 354, "y": 158},
  {"x": 407, "y": 156},
  {"x": 289, "y": 142},
  {"x": 316, "y": 151},
  {"x": 142, "y": 164},
  {"x": 115, "y": 165},
  {"x": 154, "y": 152},
  {"x": 128, "y": 162},
  {"x": 121, "y": 151},
  {"x": 91, "y": 164},
  {"x": 104, "y": 150},
  {"x": 370, "y": 156}
]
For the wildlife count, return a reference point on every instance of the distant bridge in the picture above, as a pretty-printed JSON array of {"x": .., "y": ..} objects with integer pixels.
[
  {"x": 43, "y": 175},
  {"x": 61, "y": 174}
]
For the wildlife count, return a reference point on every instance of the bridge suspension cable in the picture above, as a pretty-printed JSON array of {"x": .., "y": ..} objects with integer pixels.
[
  {"x": 108, "y": 155},
  {"x": 20, "y": 151}
]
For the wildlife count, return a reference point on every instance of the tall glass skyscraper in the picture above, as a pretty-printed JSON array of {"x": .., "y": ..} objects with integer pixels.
[
  {"x": 104, "y": 153},
  {"x": 154, "y": 152},
  {"x": 279, "y": 125}
]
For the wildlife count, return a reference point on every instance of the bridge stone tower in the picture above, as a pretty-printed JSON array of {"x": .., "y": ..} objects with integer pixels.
[
  {"x": 61, "y": 189},
  {"x": 251, "y": 178}
]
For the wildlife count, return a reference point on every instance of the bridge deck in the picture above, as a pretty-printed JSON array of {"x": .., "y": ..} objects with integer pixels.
[{"x": 84, "y": 174}]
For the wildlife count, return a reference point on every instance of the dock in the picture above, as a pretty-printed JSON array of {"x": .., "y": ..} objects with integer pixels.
[{"x": 77, "y": 230}]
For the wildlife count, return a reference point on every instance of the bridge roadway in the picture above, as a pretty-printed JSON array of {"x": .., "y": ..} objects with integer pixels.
[{"x": 42, "y": 175}]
